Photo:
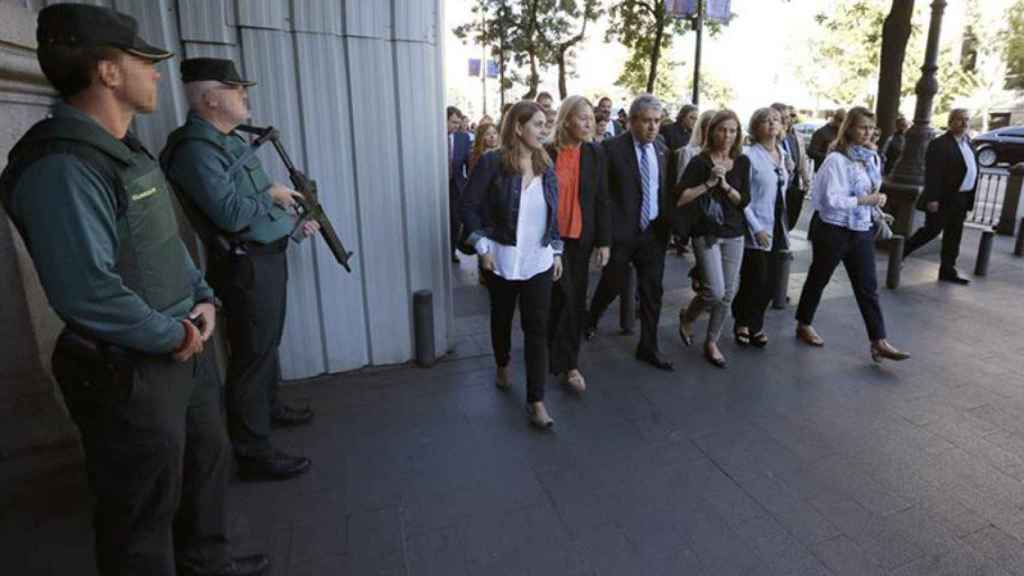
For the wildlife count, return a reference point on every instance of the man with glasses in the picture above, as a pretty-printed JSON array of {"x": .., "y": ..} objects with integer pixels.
[{"x": 246, "y": 223}]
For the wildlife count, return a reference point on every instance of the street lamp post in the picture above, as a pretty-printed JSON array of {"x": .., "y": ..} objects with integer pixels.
[{"x": 906, "y": 181}]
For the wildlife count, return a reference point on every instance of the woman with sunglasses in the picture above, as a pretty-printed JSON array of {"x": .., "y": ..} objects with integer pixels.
[{"x": 766, "y": 233}]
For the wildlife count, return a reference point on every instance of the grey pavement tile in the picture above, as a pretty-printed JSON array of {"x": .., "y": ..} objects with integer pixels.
[
  {"x": 797, "y": 515},
  {"x": 958, "y": 562},
  {"x": 437, "y": 553},
  {"x": 881, "y": 543},
  {"x": 780, "y": 553},
  {"x": 843, "y": 557},
  {"x": 995, "y": 544}
]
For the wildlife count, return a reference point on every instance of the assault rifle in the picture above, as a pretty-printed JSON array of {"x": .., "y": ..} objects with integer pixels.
[{"x": 309, "y": 207}]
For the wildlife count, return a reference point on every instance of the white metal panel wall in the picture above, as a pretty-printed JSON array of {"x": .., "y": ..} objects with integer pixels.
[
  {"x": 374, "y": 141},
  {"x": 272, "y": 14},
  {"x": 415, "y": 21},
  {"x": 325, "y": 114},
  {"x": 369, "y": 19},
  {"x": 317, "y": 16},
  {"x": 206, "y": 21},
  {"x": 422, "y": 169}
]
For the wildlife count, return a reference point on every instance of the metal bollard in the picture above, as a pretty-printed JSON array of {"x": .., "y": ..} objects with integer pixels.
[
  {"x": 423, "y": 327},
  {"x": 892, "y": 273},
  {"x": 627, "y": 302},
  {"x": 1018, "y": 248},
  {"x": 984, "y": 252},
  {"x": 783, "y": 264}
]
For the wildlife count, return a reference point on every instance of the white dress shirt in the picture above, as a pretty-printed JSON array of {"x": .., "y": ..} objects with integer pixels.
[
  {"x": 528, "y": 257},
  {"x": 972, "y": 166},
  {"x": 652, "y": 165}
]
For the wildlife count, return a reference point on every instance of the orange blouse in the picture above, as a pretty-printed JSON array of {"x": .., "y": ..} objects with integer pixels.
[{"x": 570, "y": 215}]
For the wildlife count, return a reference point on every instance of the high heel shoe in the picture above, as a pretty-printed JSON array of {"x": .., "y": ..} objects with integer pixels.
[
  {"x": 886, "y": 351},
  {"x": 574, "y": 381},
  {"x": 539, "y": 417},
  {"x": 685, "y": 333},
  {"x": 717, "y": 361},
  {"x": 760, "y": 339},
  {"x": 742, "y": 338},
  {"x": 807, "y": 335}
]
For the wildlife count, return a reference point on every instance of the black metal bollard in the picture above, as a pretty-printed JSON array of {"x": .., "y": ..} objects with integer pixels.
[
  {"x": 1018, "y": 248},
  {"x": 892, "y": 273},
  {"x": 423, "y": 327},
  {"x": 783, "y": 265},
  {"x": 627, "y": 302},
  {"x": 984, "y": 252}
]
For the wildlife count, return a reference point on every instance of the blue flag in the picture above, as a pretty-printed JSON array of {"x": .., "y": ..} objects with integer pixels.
[
  {"x": 719, "y": 11},
  {"x": 474, "y": 67}
]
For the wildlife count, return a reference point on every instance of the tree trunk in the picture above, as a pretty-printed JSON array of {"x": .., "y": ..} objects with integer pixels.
[
  {"x": 895, "y": 34},
  {"x": 534, "y": 79},
  {"x": 563, "y": 88},
  {"x": 659, "y": 19}
]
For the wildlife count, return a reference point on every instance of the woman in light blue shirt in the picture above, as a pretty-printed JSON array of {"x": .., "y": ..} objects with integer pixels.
[
  {"x": 846, "y": 189},
  {"x": 766, "y": 233}
]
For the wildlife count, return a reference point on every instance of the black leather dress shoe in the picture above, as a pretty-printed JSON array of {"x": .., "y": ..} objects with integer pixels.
[
  {"x": 655, "y": 360},
  {"x": 277, "y": 466},
  {"x": 284, "y": 416},
  {"x": 255, "y": 565},
  {"x": 953, "y": 277}
]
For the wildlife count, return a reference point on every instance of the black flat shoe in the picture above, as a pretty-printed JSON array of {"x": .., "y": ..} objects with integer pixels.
[
  {"x": 255, "y": 565},
  {"x": 718, "y": 362},
  {"x": 277, "y": 466},
  {"x": 953, "y": 277},
  {"x": 655, "y": 360},
  {"x": 285, "y": 416}
]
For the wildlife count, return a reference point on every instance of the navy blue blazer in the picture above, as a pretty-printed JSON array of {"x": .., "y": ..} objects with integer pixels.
[
  {"x": 490, "y": 204},
  {"x": 461, "y": 149}
]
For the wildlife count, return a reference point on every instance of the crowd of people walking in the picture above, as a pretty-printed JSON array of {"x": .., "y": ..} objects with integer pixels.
[{"x": 555, "y": 199}]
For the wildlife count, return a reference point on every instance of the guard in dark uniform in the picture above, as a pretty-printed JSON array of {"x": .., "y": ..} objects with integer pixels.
[
  {"x": 244, "y": 219},
  {"x": 98, "y": 219}
]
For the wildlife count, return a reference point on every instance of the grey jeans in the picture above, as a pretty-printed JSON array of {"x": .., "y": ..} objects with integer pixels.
[{"x": 719, "y": 265}]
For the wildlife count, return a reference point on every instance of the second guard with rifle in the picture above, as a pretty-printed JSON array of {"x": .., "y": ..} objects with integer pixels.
[{"x": 245, "y": 219}]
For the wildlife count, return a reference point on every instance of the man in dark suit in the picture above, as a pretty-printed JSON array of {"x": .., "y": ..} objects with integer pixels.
[
  {"x": 950, "y": 179},
  {"x": 800, "y": 174},
  {"x": 640, "y": 192},
  {"x": 458, "y": 156},
  {"x": 677, "y": 134},
  {"x": 823, "y": 138}
]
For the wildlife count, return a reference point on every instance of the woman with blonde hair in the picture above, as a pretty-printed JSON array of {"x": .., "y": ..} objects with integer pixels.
[
  {"x": 509, "y": 212},
  {"x": 846, "y": 193},
  {"x": 696, "y": 144},
  {"x": 485, "y": 140},
  {"x": 715, "y": 189},
  {"x": 766, "y": 231},
  {"x": 584, "y": 223}
]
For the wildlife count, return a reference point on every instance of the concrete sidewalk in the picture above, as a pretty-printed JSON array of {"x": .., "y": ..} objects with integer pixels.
[{"x": 794, "y": 461}]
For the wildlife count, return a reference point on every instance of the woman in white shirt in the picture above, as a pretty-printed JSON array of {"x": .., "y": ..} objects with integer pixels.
[
  {"x": 846, "y": 190},
  {"x": 510, "y": 217}
]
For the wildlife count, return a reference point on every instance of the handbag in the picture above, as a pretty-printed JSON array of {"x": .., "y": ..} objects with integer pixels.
[{"x": 882, "y": 223}]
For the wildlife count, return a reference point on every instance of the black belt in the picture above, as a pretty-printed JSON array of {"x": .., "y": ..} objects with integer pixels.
[{"x": 258, "y": 249}]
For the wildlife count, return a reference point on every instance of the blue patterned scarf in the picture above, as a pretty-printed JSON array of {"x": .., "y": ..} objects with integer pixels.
[{"x": 869, "y": 159}]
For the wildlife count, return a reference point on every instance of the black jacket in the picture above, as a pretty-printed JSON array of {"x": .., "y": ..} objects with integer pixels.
[
  {"x": 597, "y": 224},
  {"x": 490, "y": 204},
  {"x": 944, "y": 171},
  {"x": 625, "y": 192}
]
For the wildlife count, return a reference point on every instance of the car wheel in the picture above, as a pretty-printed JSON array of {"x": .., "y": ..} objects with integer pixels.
[{"x": 987, "y": 157}]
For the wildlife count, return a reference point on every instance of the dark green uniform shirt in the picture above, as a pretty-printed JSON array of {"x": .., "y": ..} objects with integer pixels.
[
  {"x": 69, "y": 218},
  {"x": 200, "y": 169}
]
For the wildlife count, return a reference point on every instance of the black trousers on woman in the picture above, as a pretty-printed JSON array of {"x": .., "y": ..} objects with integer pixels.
[
  {"x": 534, "y": 298},
  {"x": 856, "y": 250},
  {"x": 757, "y": 280},
  {"x": 568, "y": 309}
]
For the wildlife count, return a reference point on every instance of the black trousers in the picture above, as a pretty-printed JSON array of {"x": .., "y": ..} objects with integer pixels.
[
  {"x": 948, "y": 221},
  {"x": 647, "y": 254},
  {"x": 757, "y": 282},
  {"x": 568, "y": 308},
  {"x": 534, "y": 298},
  {"x": 454, "y": 222},
  {"x": 831, "y": 245},
  {"x": 157, "y": 457},
  {"x": 254, "y": 289}
]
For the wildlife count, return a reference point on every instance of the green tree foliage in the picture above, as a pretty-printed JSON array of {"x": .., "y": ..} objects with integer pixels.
[
  {"x": 844, "y": 64},
  {"x": 1013, "y": 49},
  {"x": 646, "y": 28}
]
